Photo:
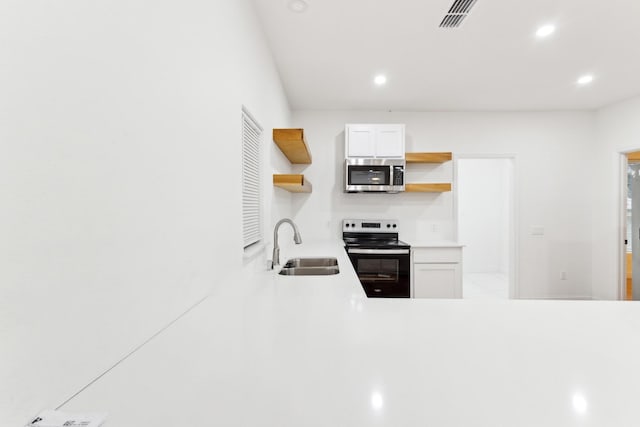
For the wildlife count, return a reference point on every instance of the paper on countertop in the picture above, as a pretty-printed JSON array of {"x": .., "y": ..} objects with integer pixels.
[{"x": 64, "y": 419}]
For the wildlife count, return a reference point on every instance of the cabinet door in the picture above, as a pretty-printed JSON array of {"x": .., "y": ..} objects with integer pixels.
[
  {"x": 390, "y": 141},
  {"x": 360, "y": 141},
  {"x": 437, "y": 281}
]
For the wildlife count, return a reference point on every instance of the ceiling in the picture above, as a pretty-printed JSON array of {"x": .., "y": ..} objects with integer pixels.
[{"x": 328, "y": 55}]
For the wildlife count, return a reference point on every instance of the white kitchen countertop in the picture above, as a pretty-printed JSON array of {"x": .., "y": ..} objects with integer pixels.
[{"x": 268, "y": 350}]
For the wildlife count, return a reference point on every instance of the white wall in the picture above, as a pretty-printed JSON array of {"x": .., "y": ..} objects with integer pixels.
[
  {"x": 618, "y": 130},
  {"x": 552, "y": 151},
  {"x": 119, "y": 177},
  {"x": 483, "y": 214}
]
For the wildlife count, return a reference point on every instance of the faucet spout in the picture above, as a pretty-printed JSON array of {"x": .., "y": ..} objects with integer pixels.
[{"x": 276, "y": 248}]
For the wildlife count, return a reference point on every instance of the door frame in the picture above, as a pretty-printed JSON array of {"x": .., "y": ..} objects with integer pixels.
[
  {"x": 622, "y": 224},
  {"x": 514, "y": 292}
]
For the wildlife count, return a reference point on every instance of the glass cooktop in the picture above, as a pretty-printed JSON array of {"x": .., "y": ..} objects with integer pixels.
[{"x": 358, "y": 242}]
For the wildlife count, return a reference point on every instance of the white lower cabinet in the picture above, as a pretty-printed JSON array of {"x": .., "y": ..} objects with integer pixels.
[{"x": 436, "y": 272}]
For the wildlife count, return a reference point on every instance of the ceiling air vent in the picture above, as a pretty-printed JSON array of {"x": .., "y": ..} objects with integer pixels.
[{"x": 458, "y": 11}]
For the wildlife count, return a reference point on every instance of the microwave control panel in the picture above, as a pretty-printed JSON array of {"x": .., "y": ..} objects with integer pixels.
[{"x": 398, "y": 175}]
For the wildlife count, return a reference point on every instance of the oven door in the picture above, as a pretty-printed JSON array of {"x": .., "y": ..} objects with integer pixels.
[{"x": 383, "y": 273}]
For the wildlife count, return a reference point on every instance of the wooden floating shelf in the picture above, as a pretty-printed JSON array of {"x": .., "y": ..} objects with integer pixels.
[
  {"x": 292, "y": 183},
  {"x": 428, "y": 157},
  {"x": 291, "y": 143},
  {"x": 427, "y": 188}
]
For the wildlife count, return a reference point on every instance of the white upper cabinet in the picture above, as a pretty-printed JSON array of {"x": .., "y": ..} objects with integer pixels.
[
  {"x": 372, "y": 140},
  {"x": 390, "y": 141},
  {"x": 360, "y": 141}
]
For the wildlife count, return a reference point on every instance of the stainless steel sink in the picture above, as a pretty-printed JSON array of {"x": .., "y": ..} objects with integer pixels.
[
  {"x": 311, "y": 262},
  {"x": 310, "y": 271},
  {"x": 310, "y": 267}
]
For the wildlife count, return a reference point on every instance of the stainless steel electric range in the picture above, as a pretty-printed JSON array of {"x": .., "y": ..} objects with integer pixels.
[{"x": 382, "y": 261}]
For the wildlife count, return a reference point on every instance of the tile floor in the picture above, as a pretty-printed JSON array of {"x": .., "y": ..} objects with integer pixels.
[{"x": 494, "y": 286}]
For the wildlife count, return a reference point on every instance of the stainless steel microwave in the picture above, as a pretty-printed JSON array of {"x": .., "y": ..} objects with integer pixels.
[{"x": 374, "y": 175}]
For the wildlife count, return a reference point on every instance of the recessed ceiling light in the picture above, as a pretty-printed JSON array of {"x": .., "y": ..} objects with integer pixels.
[
  {"x": 298, "y": 6},
  {"x": 585, "y": 80},
  {"x": 545, "y": 31},
  {"x": 380, "y": 80},
  {"x": 580, "y": 404},
  {"x": 377, "y": 402}
]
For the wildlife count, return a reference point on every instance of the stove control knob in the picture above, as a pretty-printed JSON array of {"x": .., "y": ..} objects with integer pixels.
[
  {"x": 394, "y": 225},
  {"x": 388, "y": 225},
  {"x": 347, "y": 225},
  {"x": 353, "y": 225}
]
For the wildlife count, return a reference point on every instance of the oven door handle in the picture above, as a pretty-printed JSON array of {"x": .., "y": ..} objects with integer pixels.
[{"x": 378, "y": 251}]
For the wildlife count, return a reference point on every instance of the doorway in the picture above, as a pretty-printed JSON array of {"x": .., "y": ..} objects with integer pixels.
[
  {"x": 485, "y": 214},
  {"x": 631, "y": 209}
]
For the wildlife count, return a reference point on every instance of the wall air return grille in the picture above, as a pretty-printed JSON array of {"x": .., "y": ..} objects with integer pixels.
[
  {"x": 458, "y": 11},
  {"x": 251, "y": 182}
]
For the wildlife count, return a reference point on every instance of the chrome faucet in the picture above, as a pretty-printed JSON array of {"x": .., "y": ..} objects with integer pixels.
[{"x": 275, "y": 259}]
